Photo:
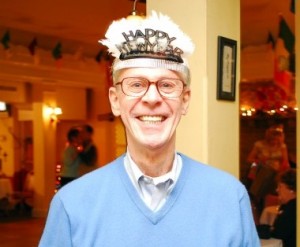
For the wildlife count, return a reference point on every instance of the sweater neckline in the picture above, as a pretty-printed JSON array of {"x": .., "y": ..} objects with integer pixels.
[{"x": 152, "y": 216}]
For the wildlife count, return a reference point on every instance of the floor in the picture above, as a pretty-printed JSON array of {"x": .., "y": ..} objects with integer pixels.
[{"x": 21, "y": 232}]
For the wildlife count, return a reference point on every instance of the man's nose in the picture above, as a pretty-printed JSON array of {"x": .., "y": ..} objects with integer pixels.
[{"x": 152, "y": 93}]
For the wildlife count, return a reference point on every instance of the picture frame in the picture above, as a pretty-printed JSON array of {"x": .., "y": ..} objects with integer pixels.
[{"x": 226, "y": 70}]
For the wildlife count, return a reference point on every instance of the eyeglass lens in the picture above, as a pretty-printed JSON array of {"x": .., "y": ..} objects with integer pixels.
[{"x": 167, "y": 87}]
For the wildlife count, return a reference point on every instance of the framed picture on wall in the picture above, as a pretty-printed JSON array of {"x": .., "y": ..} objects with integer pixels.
[{"x": 226, "y": 70}]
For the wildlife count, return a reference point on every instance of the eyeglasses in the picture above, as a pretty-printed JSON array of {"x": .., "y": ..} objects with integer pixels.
[{"x": 138, "y": 86}]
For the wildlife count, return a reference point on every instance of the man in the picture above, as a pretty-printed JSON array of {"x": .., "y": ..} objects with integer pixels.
[
  {"x": 151, "y": 195},
  {"x": 284, "y": 225},
  {"x": 89, "y": 154}
]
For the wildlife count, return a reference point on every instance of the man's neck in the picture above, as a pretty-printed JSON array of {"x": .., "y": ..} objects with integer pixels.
[{"x": 153, "y": 163}]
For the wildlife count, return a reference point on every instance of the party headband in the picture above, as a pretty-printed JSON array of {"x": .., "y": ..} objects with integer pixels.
[{"x": 155, "y": 42}]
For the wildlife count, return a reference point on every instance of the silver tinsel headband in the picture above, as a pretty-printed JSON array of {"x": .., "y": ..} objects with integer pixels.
[{"x": 154, "y": 42}]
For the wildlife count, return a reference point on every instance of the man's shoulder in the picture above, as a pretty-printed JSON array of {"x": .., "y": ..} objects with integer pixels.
[
  {"x": 198, "y": 165},
  {"x": 94, "y": 179}
]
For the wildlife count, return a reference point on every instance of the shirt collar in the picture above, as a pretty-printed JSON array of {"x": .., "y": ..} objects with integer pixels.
[{"x": 135, "y": 173}]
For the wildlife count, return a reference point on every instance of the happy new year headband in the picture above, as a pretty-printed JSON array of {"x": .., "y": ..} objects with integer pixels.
[{"x": 153, "y": 42}]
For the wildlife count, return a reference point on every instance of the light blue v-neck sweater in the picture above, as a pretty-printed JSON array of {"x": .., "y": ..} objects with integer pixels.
[{"x": 207, "y": 208}]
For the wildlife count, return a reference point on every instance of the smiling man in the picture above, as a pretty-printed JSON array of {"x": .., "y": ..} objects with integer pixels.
[{"x": 152, "y": 195}]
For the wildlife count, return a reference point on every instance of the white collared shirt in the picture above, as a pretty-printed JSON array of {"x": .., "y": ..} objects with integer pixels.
[{"x": 164, "y": 183}]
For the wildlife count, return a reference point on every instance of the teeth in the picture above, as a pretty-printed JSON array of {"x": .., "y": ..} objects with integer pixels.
[{"x": 151, "y": 118}]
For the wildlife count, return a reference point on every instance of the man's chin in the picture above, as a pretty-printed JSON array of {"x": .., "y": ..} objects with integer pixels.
[{"x": 153, "y": 143}]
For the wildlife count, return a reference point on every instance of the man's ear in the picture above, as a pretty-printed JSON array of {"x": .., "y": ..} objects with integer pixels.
[
  {"x": 114, "y": 101},
  {"x": 186, "y": 101}
]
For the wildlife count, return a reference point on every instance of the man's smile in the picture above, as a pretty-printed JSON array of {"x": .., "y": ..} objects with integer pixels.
[{"x": 152, "y": 119}]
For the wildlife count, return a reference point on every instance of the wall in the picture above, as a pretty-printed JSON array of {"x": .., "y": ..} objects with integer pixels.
[{"x": 210, "y": 131}]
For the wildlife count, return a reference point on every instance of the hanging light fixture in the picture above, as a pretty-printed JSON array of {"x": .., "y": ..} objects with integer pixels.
[{"x": 134, "y": 15}]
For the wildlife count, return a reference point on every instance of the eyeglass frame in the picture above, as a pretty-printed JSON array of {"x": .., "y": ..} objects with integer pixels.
[{"x": 184, "y": 85}]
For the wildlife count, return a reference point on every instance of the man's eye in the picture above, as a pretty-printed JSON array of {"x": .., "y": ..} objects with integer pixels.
[
  {"x": 136, "y": 84},
  {"x": 167, "y": 84}
]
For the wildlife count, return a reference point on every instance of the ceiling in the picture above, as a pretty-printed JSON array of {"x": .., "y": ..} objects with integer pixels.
[
  {"x": 82, "y": 23},
  {"x": 261, "y": 17},
  {"x": 74, "y": 23}
]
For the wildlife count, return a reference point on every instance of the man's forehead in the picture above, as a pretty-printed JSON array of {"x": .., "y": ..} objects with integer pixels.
[{"x": 149, "y": 73}]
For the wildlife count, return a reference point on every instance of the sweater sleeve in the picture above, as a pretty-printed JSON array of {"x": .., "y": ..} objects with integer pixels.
[
  {"x": 249, "y": 230},
  {"x": 57, "y": 231}
]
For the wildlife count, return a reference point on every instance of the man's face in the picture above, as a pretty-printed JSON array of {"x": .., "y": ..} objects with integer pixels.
[
  {"x": 284, "y": 192},
  {"x": 149, "y": 120},
  {"x": 85, "y": 136}
]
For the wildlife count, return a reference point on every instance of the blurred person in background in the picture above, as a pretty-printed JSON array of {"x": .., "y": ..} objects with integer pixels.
[
  {"x": 89, "y": 154},
  {"x": 268, "y": 158},
  {"x": 284, "y": 226},
  {"x": 71, "y": 158}
]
